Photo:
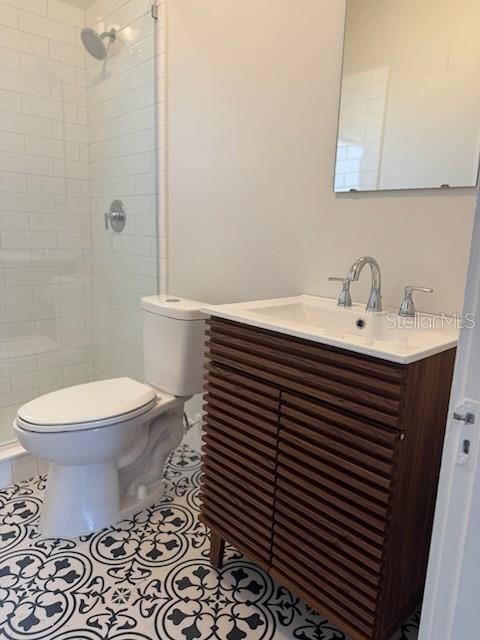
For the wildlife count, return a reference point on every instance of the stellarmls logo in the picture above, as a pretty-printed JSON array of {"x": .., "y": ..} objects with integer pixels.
[{"x": 443, "y": 321}]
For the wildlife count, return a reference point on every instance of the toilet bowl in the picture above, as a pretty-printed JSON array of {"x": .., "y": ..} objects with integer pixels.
[{"x": 107, "y": 442}]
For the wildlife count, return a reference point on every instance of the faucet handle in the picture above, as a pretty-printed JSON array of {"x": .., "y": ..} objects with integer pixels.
[
  {"x": 409, "y": 289},
  {"x": 407, "y": 308},
  {"x": 344, "y": 299}
]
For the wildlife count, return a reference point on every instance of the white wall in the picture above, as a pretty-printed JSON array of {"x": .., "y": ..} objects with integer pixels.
[
  {"x": 253, "y": 99},
  {"x": 45, "y": 281}
]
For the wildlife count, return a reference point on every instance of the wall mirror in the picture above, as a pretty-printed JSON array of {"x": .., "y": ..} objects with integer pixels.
[{"x": 410, "y": 98}]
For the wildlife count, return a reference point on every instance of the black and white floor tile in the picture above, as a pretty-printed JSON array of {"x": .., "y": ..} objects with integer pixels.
[{"x": 147, "y": 578}]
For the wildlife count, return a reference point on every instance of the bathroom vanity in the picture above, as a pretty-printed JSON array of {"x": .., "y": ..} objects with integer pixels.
[{"x": 322, "y": 453}]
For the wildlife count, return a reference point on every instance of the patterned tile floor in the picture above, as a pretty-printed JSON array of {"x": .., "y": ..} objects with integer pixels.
[{"x": 145, "y": 579}]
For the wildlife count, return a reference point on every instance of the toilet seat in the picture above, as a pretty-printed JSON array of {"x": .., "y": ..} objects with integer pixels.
[{"x": 89, "y": 406}]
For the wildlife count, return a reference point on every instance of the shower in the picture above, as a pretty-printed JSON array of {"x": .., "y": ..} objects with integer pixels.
[{"x": 93, "y": 42}]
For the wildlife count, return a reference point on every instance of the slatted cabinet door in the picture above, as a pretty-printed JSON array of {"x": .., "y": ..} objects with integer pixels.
[
  {"x": 239, "y": 460},
  {"x": 312, "y": 455},
  {"x": 333, "y": 502}
]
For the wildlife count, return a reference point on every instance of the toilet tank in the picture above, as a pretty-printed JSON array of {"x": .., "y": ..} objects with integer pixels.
[{"x": 173, "y": 344}]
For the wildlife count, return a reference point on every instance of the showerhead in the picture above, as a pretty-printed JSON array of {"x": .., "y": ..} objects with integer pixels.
[{"x": 93, "y": 42}]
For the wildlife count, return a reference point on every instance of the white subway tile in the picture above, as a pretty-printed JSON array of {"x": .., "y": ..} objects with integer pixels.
[
  {"x": 22, "y": 83},
  {"x": 78, "y": 339},
  {"x": 24, "y": 124},
  {"x": 24, "y": 381},
  {"x": 80, "y": 306},
  {"x": 46, "y": 27},
  {"x": 12, "y": 183},
  {"x": 25, "y": 164},
  {"x": 8, "y": 16},
  {"x": 9, "y": 59},
  {"x": 13, "y": 220},
  {"x": 19, "y": 364},
  {"x": 32, "y": 311},
  {"x": 45, "y": 184},
  {"x": 73, "y": 240},
  {"x": 16, "y": 330},
  {"x": 60, "y": 291},
  {"x": 49, "y": 69},
  {"x": 65, "y": 13},
  {"x": 64, "y": 357},
  {"x": 101, "y": 8},
  {"x": 16, "y": 295},
  {"x": 55, "y": 222},
  {"x": 26, "y": 42},
  {"x": 65, "y": 53},
  {"x": 44, "y": 147},
  {"x": 12, "y": 142},
  {"x": 16, "y": 276},
  {"x": 131, "y": 245},
  {"x": 26, "y": 202},
  {"x": 73, "y": 372},
  {"x": 145, "y": 184},
  {"x": 129, "y": 12},
  {"x": 24, "y": 467},
  {"x": 82, "y": 115},
  {"x": 16, "y": 398},
  {"x": 70, "y": 132},
  {"x": 5, "y": 385},
  {"x": 76, "y": 151},
  {"x": 37, "y": 6},
  {"x": 74, "y": 95},
  {"x": 42, "y": 107},
  {"x": 70, "y": 112},
  {"x": 72, "y": 169},
  {"x": 13, "y": 239},
  {"x": 72, "y": 205},
  {"x": 10, "y": 101}
]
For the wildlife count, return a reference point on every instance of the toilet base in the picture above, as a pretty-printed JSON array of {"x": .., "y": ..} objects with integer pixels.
[
  {"x": 131, "y": 505},
  {"x": 80, "y": 499},
  {"x": 70, "y": 514}
]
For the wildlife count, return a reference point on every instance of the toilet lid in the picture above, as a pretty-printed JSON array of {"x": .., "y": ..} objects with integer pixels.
[{"x": 85, "y": 403}]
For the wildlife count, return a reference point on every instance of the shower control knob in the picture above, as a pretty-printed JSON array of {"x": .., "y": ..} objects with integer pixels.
[{"x": 116, "y": 217}]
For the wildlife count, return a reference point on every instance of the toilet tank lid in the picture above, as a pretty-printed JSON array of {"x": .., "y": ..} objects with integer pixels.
[{"x": 171, "y": 306}]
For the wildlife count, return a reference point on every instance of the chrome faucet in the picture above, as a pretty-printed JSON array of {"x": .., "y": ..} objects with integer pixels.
[{"x": 375, "y": 300}]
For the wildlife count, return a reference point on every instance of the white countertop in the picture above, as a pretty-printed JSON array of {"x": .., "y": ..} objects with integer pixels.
[{"x": 384, "y": 335}]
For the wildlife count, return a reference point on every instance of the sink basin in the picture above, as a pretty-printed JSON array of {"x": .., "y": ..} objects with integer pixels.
[{"x": 383, "y": 335}]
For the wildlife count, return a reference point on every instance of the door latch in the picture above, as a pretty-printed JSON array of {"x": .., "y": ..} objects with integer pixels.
[
  {"x": 467, "y": 418},
  {"x": 468, "y": 440}
]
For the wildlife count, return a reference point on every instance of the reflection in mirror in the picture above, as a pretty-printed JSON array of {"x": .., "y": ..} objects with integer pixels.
[{"x": 410, "y": 100}]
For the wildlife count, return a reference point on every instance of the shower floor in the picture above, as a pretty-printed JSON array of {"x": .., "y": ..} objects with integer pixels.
[{"x": 147, "y": 578}]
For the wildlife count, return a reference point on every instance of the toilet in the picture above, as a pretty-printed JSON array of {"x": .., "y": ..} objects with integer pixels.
[{"x": 106, "y": 442}]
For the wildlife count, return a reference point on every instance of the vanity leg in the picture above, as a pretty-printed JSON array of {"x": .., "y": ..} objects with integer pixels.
[{"x": 217, "y": 548}]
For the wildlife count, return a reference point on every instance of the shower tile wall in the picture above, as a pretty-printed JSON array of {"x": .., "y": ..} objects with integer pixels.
[
  {"x": 75, "y": 133},
  {"x": 122, "y": 136},
  {"x": 45, "y": 277}
]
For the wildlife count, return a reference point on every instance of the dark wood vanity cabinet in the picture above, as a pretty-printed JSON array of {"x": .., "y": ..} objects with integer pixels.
[{"x": 321, "y": 465}]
